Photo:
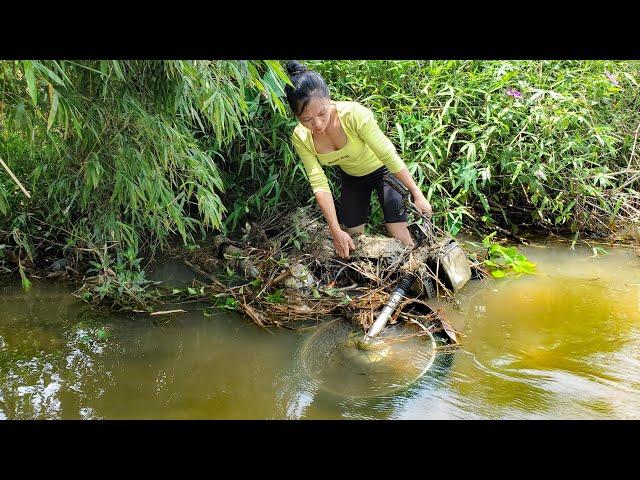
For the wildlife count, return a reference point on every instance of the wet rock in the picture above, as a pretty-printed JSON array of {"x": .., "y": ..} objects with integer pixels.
[
  {"x": 300, "y": 278},
  {"x": 377, "y": 247}
]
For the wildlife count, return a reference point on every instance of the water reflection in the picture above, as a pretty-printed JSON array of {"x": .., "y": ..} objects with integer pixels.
[{"x": 532, "y": 340}]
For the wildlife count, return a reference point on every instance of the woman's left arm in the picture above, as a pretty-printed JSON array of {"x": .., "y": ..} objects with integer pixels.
[
  {"x": 368, "y": 129},
  {"x": 419, "y": 200}
]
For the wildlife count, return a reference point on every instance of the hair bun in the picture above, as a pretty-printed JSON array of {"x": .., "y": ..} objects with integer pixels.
[{"x": 295, "y": 68}]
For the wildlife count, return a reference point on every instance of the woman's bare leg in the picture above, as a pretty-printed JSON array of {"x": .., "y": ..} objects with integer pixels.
[{"x": 401, "y": 232}]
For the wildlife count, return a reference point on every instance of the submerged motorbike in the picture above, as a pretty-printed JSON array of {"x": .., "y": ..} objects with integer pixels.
[{"x": 450, "y": 261}]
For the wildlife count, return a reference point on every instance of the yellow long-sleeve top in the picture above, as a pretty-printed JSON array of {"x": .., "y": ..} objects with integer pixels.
[{"x": 366, "y": 150}]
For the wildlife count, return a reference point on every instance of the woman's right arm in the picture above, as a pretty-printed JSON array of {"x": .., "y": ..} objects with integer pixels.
[
  {"x": 341, "y": 240},
  {"x": 320, "y": 186}
]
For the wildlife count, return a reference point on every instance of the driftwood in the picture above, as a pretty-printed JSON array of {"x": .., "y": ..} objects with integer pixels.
[{"x": 167, "y": 312}]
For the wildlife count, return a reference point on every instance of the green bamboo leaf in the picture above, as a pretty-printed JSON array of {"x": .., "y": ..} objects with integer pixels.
[
  {"x": 26, "y": 284},
  {"x": 451, "y": 140},
  {"x": 400, "y": 136},
  {"x": 4, "y": 204},
  {"x": 117, "y": 69},
  {"x": 49, "y": 73},
  {"x": 63, "y": 73},
  {"x": 630, "y": 78},
  {"x": 31, "y": 81},
  {"x": 53, "y": 110},
  {"x": 279, "y": 71}
]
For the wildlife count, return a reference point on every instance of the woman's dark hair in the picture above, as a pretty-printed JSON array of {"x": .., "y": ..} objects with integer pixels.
[{"x": 306, "y": 85}]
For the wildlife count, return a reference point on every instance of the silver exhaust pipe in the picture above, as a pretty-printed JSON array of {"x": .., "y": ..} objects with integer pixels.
[{"x": 403, "y": 287}]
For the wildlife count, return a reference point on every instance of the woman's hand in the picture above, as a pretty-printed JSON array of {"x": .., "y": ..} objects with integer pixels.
[
  {"x": 343, "y": 243},
  {"x": 422, "y": 204}
]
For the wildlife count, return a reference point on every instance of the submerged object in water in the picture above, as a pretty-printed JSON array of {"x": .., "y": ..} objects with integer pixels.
[
  {"x": 450, "y": 260},
  {"x": 332, "y": 358},
  {"x": 455, "y": 265}
]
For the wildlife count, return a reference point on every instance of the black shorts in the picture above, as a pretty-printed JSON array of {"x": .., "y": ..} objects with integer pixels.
[{"x": 355, "y": 201}]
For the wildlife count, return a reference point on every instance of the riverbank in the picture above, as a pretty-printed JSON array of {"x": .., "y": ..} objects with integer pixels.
[{"x": 278, "y": 271}]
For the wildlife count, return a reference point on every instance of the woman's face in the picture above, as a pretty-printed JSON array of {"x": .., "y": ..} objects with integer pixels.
[{"x": 316, "y": 115}]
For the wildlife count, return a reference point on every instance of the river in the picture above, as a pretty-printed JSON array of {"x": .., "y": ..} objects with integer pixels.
[{"x": 561, "y": 344}]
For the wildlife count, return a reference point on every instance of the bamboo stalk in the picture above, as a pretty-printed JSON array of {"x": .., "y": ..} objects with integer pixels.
[
  {"x": 6, "y": 167},
  {"x": 633, "y": 150}
]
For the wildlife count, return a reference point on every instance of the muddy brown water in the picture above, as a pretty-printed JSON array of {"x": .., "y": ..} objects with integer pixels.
[{"x": 564, "y": 343}]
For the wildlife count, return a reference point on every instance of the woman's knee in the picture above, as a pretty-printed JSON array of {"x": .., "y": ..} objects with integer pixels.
[{"x": 401, "y": 232}]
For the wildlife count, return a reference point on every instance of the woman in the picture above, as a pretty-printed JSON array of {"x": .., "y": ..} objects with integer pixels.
[{"x": 346, "y": 134}]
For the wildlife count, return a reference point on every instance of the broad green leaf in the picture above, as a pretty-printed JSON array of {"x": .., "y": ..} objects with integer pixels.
[
  {"x": 49, "y": 73},
  {"x": 400, "y": 136},
  {"x": 31, "y": 81},
  {"x": 4, "y": 204},
  {"x": 53, "y": 109}
]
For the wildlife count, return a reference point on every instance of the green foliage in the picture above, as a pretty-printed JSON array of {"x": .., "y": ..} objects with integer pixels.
[
  {"x": 89, "y": 334},
  {"x": 276, "y": 297},
  {"x": 552, "y": 153},
  {"x": 131, "y": 154},
  {"x": 532, "y": 143},
  {"x": 501, "y": 259},
  {"x": 125, "y": 153},
  {"x": 119, "y": 283},
  {"x": 225, "y": 302},
  {"x": 26, "y": 284}
]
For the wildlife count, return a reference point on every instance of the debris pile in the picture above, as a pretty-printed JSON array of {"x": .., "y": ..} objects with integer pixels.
[{"x": 285, "y": 270}]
